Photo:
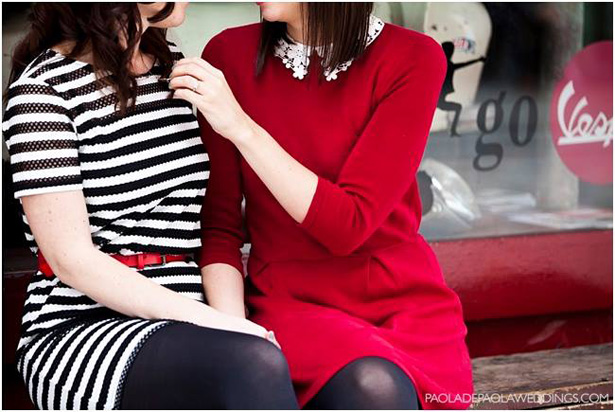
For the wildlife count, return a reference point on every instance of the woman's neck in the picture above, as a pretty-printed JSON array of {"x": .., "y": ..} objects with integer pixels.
[{"x": 295, "y": 30}]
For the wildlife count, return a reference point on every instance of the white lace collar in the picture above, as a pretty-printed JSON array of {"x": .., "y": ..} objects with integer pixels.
[{"x": 296, "y": 56}]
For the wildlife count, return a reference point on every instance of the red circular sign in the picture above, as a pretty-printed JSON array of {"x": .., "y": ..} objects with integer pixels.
[{"x": 582, "y": 114}]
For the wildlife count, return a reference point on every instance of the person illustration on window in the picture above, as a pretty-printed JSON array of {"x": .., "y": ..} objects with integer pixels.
[{"x": 447, "y": 87}]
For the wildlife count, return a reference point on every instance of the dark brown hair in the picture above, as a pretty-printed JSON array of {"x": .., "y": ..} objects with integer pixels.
[
  {"x": 339, "y": 28},
  {"x": 95, "y": 29}
]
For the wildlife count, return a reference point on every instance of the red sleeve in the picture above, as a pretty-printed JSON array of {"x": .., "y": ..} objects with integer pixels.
[
  {"x": 221, "y": 218},
  {"x": 383, "y": 163}
]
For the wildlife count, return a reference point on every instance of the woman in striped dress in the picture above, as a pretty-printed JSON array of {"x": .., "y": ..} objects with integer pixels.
[{"x": 111, "y": 173}]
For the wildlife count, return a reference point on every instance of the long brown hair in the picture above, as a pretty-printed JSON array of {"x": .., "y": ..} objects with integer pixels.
[
  {"x": 339, "y": 28},
  {"x": 95, "y": 29}
]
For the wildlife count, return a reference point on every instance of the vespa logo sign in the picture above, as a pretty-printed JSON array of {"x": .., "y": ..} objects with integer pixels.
[
  {"x": 582, "y": 114},
  {"x": 582, "y": 128}
]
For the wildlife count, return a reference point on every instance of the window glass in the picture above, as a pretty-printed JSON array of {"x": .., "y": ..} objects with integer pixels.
[{"x": 522, "y": 137}]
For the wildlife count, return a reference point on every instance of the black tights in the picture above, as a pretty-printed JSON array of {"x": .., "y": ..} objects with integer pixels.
[
  {"x": 367, "y": 383},
  {"x": 183, "y": 366}
]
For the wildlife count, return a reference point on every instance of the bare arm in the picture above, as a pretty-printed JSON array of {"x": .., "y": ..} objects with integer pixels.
[
  {"x": 59, "y": 222},
  {"x": 292, "y": 184},
  {"x": 223, "y": 285}
]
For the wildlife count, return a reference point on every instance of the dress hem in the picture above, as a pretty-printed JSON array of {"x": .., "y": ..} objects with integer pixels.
[{"x": 128, "y": 365}]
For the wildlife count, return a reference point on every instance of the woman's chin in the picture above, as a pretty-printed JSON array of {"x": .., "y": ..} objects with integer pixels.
[
  {"x": 272, "y": 12},
  {"x": 268, "y": 15}
]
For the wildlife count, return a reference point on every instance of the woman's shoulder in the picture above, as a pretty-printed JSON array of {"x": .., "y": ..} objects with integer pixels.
[
  {"x": 36, "y": 81},
  {"x": 33, "y": 93},
  {"x": 405, "y": 46},
  {"x": 242, "y": 33},
  {"x": 407, "y": 39},
  {"x": 40, "y": 68},
  {"x": 236, "y": 40}
]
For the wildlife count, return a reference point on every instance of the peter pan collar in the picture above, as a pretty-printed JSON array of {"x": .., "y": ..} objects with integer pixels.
[{"x": 295, "y": 56}]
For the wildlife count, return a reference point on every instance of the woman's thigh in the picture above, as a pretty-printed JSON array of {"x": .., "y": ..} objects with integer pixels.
[{"x": 184, "y": 366}]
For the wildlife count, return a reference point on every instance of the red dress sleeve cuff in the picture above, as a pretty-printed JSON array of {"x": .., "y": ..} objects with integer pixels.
[{"x": 316, "y": 220}]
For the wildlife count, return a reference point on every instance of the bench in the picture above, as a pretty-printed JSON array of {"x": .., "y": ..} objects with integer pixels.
[{"x": 573, "y": 378}]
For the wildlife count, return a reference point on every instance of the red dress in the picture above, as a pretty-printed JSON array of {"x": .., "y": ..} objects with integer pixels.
[{"x": 355, "y": 278}]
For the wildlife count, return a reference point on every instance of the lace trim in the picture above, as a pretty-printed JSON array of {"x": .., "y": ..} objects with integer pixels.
[{"x": 295, "y": 56}]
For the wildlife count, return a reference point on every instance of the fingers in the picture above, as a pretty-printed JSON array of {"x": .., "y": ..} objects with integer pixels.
[
  {"x": 187, "y": 95},
  {"x": 195, "y": 67},
  {"x": 211, "y": 68},
  {"x": 203, "y": 63},
  {"x": 185, "y": 82},
  {"x": 190, "y": 69},
  {"x": 270, "y": 336},
  {"x": 276, "y": 343}
]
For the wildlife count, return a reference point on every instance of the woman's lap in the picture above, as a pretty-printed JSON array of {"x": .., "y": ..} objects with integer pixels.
[{"x": 180, "y": 359}]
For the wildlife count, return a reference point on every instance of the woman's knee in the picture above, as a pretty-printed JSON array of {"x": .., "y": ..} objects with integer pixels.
[
  {"x": 372, "y": 375},
  {"x": 262, "y": 358},
  {"x": 378, "y": 383},
  {"x": 258, "y": 376}
]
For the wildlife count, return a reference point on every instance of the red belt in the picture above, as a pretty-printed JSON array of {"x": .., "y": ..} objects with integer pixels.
[{"x": 139, "y": 261}]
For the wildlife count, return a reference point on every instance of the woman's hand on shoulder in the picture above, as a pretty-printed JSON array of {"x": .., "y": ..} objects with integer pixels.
[{"x": 203, "y": 85}]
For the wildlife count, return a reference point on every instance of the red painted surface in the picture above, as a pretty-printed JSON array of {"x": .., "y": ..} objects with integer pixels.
[
  {"x": 532, "y": 333},
  {"x": 530, "y": 275}
]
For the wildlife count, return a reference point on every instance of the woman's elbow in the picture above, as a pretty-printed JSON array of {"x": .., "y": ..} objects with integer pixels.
[
  {"x": 345, "y": 238},
  {"x": 62, "y": 268},
  {"x": 66, "y": 266}
]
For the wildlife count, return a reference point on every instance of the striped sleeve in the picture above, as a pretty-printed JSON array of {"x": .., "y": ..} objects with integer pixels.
[{"x": 41, "y": 139}]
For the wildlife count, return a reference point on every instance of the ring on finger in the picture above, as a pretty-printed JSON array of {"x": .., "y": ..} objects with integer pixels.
[{"x": 196, "y": 85}]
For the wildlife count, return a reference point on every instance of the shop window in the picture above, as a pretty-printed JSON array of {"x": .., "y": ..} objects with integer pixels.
[{"x": 522, "y": 138}]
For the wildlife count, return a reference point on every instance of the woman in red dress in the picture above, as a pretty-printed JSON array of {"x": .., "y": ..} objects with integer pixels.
[{"x": 324, "y": 143}]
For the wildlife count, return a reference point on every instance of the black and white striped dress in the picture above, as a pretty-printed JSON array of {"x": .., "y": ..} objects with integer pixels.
[{"x": 143, "y": 174}]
